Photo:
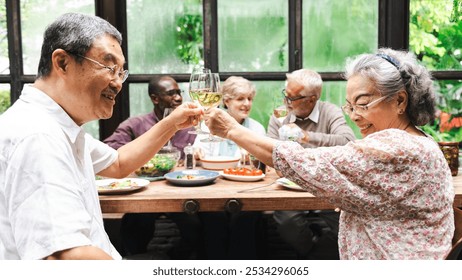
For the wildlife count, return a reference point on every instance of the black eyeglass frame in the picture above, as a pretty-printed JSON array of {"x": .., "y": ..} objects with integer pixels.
[
  {"x": 289, "y": 99},
  {"x": 170, "y": 93}
]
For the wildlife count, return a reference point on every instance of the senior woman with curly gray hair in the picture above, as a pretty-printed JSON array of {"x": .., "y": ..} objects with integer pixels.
[{"x": 394, "y": 186}]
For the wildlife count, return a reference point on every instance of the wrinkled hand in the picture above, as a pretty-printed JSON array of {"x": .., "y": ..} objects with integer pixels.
[
  {"x": 186, "y": 115},
  {"x": 219, "y": 122}
]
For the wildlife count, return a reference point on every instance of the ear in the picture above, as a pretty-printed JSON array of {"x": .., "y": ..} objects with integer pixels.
[
  {"x": 402, "y": 100},
  {"x": 60, "y": 61},
  {"x": 155, "y": 99},
  {"x": 225, "y": 103}
]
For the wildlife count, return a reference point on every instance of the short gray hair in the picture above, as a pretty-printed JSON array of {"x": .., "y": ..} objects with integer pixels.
[
  {"x": 309, "y": 79},
  {"x": 74, "y": 33},
  {"x": 235, "y": 86},
  {"x": 393, "y": 71}
]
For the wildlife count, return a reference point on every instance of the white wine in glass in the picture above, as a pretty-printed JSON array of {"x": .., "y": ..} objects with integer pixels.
[{"x": 208, "y": 95}]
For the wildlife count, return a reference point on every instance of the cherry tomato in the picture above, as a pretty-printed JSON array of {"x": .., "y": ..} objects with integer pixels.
[
  {"x": 257, "y": 172},
  {"x": 248, "y": 172}
]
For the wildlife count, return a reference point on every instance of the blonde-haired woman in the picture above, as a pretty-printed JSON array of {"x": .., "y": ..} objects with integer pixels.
[{"x": 238, "y": 96}]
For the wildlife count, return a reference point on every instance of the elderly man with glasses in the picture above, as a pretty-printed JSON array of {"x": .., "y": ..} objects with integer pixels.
[
  {"x": 313, "y": 234},
  {"x": 49, "y": 205}
]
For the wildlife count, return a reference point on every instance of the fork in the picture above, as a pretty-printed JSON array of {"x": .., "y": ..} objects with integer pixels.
[{"x": 259, "y": 187}]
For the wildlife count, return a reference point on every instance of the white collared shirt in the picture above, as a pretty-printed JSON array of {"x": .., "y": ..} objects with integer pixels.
[{"x": 48, "y": 197}]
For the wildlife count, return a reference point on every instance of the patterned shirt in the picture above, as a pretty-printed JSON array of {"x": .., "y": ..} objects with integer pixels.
[{"x": 395, "y": 191}]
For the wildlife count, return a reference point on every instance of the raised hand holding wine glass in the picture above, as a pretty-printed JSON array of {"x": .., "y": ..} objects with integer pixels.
[
  {"x": 204, "y": 88},
  {"x": 197, "y": 83}
]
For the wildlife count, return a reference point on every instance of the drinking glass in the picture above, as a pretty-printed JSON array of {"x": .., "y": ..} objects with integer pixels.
[
  {"x": 204, "y": 88},
  {"x": 279, "y": 106},
  {"x": 197, "y": 83},
  {"x": 244, "y": 161}
]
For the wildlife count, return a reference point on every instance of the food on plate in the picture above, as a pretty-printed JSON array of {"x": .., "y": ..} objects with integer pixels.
[
  {"x": 190, "y": 177},
  {"x": 243, "y": 171},
  {"x": 159, "y": 165},
  {"x": 119, "y": 185}
]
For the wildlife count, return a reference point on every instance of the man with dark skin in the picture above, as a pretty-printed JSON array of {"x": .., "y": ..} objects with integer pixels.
[{"x": 165, "y": 95}]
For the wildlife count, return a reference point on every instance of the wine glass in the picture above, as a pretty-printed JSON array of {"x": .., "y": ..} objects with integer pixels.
[
  {"x": 279, "y": 106},
  {"x": 205, "y": 90},
  {"x": 196, "y": 84}
]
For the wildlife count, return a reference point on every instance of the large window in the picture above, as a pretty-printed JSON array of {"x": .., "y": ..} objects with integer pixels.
[
  {"x": 35, "y": 16},
  {"x": 260, "y": 40},
  {"x": 253, "y": 36},
  {"x": 334, "y": 30},
  {"x": 164, "y": 36}
]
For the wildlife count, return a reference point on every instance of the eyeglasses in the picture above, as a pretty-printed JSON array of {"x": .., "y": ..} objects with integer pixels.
[
  {"x": 361, "y": 109},
  {"x": 289, "y": 99},
  {"x": 173, "y": 92},
  {"x": 121, "y": 74}
]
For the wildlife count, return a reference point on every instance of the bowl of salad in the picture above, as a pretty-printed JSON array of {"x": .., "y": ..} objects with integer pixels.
[{"x": 162, "y": 163}]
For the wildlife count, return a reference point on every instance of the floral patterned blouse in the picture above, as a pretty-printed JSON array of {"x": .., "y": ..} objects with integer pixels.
[{"x": 395, "y": 191}]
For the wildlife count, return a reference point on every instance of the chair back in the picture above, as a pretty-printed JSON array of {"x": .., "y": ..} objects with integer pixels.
[{"x": 456, "y": 250}]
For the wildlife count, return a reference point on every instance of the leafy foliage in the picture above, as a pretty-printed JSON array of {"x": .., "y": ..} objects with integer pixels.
[
  {"x": 433, "y": 130},
  {"x": 436, "y": 39},
  {"x": 4, "y": 100},
  {"x": 189, "y": 39},
  {"x": 3, "y": 35},
  {"x": 436, "y": 33},
  {"x": 449, "y": 98}
]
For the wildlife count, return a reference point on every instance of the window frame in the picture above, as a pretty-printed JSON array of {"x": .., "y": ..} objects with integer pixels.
[{"x": 393, "y": 32}]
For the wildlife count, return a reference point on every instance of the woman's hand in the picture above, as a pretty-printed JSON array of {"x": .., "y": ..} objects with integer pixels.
[
  {"x": 219, "y": 122},
  {"x": 186, "y": 115}
]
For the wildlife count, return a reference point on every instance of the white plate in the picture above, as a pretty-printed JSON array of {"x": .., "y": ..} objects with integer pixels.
[
  {"x": 203, "y": 177},
  {"x": 135, "y": 184},
  {"x": 289, "y": 184},
  {"x": 242, "y": 178}
]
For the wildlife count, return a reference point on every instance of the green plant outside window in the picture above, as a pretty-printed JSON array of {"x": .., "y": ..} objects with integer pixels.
[
  {"x": 4, "y": 100},
  {"x": 164, "y": 36},
  {"x": 436, "y": 39}
]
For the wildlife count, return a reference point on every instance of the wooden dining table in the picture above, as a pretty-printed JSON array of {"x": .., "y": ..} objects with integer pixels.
[{"x": 223, "y": 195}]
